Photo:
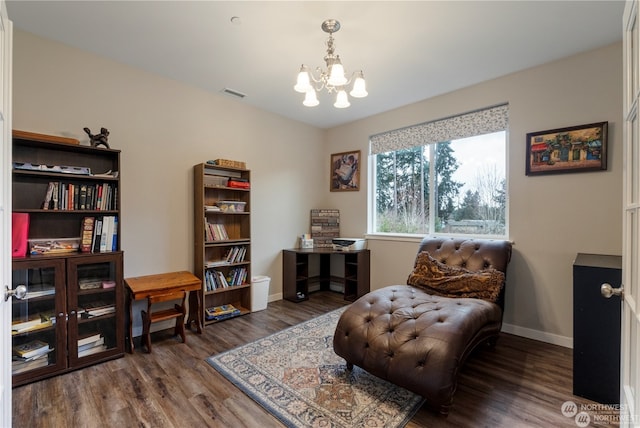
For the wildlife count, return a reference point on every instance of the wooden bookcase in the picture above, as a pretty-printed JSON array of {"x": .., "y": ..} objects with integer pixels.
[
  {"x": 231, "y": 225},
  {"x": 63, "y": 287}
]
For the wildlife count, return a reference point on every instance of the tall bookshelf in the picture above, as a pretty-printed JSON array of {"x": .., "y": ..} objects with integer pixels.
[
  {"x": 222, "y": 239},
  {"x": 72, "y": 312}
]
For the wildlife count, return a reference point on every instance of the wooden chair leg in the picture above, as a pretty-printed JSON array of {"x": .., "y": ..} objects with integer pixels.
[
  {"x": 146, "y": 330},
  {"x": 180, "y": 324}
]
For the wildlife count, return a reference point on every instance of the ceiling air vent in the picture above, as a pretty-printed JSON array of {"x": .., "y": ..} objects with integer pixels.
[{"x": 233, "y": 92}]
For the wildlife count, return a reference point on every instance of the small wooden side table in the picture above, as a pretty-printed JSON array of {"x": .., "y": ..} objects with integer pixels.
[{"x": 141, "y": 287}]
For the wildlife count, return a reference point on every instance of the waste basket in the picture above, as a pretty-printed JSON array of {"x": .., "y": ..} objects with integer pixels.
[{"x": 259, "y": 292}]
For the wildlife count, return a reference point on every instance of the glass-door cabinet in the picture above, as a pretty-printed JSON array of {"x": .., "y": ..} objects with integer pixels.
[
  {"x": 38, "y": 325},
  {"x": 95, "y": 301}
]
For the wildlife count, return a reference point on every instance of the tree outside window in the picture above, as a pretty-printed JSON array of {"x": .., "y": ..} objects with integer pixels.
[{"x": 469, "y": 179}]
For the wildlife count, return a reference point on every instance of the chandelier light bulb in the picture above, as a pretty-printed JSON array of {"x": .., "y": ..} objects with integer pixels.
[
  {"x": 336, "y": 76},
  {"x": 342, "y": 101},
  {"x": 359, "y": 86},
  {"x": 303, "y": 83},
  {"x": 310, "y": 98}
]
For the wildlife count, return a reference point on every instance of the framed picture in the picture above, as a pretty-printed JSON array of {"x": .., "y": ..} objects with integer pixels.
[
  {"x": 345, "y": 171},
  {"x": 574, "y": 149}
]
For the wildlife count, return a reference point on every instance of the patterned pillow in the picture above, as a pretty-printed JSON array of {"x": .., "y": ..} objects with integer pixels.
[{"x": 454, "y": 281}]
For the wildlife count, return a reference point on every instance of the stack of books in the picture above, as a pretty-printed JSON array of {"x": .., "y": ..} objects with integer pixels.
[
  {"x": 30, "y": 355},
  {"x": 91, "y": 344},
  {"x": 218, "y": 313}
]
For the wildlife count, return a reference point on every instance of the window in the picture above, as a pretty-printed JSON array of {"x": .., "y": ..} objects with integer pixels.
[{"x": 467, "y": 175}]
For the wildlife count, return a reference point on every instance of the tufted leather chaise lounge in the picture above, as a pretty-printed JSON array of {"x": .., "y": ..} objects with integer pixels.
[{"x": 417, "y": 340}]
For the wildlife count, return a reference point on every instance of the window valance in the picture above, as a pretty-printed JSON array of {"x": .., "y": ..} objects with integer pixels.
[{"x": 478, "y": 122}]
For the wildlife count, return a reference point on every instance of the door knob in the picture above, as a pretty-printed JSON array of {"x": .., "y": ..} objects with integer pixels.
[
  {"x": 607, "y": 291},
  {"x": 19, "y": 292}
]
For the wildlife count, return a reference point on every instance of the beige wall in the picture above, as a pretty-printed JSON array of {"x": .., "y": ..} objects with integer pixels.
[
  {"x": 551, "y": 218},
  {"x": 164, "y": 127}
]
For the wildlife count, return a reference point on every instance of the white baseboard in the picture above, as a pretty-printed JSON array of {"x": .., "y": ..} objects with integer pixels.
[
  {"x": 275, "y": 297},
  {"x": 554, "y": 339}
]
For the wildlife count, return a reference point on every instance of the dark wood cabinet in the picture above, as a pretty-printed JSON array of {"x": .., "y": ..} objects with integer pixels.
[
  {"x": 596, "y": 328},
  {"x": 72, "y": 314},
  {"x": 298, "y": 279},
  {"x": 57, "y": 311}
]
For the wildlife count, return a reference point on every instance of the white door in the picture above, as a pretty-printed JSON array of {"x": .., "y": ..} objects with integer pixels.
[
  {"x": 6, "y": 43},
  {"x": 630, "y": 344}
]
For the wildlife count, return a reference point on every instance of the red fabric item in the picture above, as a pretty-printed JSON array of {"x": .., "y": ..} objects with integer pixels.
[
  {"x": 19, "y": 234},
  {"x": 239, "y": 184}
]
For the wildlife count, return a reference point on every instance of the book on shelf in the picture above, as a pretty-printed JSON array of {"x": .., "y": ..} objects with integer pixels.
[
  {"x": 31, "y": 349},
  {"x": 106, "y": 230},
  {"x": 236, "y": 254},
  {"x": 96, "y": 309},
  {"x": 86, "y": 234},
  {"x": 114, "y": 234},
  {"x": 92, "y": 350},
  {"x": 56, "y": 196},
  {"x": 88, "y": 338},
  {"x": 215, "y": 232},
  {"x": 76, "y": 197},
  {"x": 33, "y": 323},
  {"x": 20, "y": 365},
  {"x": 90, "y": 203},
  {"x": 214, "y": 263},
  {"x": 97, "y": 235},
  {"x": 105, "y": 234},
  {"x": 48, "y": 197},
  {"x": 89, "y": 345},
  {"x": 20, "y": 325},
  {"x": 237, "y": 276}
]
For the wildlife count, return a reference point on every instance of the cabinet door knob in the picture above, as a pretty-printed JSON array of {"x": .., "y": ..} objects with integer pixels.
[
  {"x": 607, "y": 291},
  {"x": 19, "y": 292}
]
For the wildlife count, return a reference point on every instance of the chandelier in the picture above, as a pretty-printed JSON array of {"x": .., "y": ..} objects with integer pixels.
[{"x": 333, "y": 79}]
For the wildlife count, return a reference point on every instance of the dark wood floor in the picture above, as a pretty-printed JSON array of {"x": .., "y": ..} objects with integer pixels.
[{"x": 519, "y": 383}]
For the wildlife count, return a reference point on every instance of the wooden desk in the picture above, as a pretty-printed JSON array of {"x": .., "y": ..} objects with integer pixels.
[
  {"x": 141, "y": 287},
  {"x": 296, "y": 277}
]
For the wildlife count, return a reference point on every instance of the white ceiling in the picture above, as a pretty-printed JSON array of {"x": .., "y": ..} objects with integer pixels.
[{"x": 409, "y": 51}]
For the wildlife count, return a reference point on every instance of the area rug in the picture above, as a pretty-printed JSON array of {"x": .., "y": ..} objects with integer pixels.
[{"x": 297, "y": 377}]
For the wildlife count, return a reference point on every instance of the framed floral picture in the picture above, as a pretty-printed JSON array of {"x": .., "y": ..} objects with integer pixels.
[
  {"x": 345, "y": 171},
  {"x": 574, "y": 149}
]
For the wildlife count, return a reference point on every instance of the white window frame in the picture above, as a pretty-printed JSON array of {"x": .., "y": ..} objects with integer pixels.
[{"x": 391, "y": 141}]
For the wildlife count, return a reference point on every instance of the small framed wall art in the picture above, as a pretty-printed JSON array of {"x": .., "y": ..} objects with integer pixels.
[
  {"x": 573, "y": 149},
  {"x": 345, "y": 171}
]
